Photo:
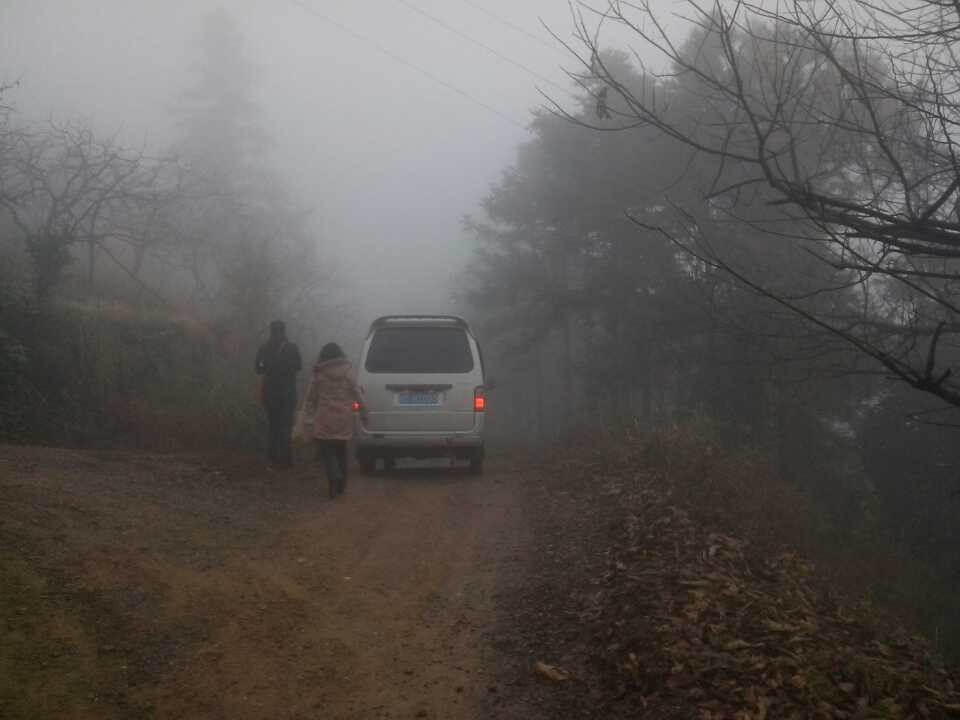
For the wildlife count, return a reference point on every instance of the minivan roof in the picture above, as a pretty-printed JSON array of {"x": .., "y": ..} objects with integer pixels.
[{"x": 419, "y": 321}]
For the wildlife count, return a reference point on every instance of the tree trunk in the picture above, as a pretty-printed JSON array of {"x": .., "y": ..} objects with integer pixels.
[{"x": 91, "y": 264}]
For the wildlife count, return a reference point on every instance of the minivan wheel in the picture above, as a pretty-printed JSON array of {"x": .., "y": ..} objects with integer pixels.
[
  {"x": 476, "y": 465},
  {"x": 389, "y": 465},
  {"x": 367, "y": 464}
]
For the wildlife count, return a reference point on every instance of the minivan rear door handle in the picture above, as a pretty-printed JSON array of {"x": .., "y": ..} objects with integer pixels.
[{"x": 419, "y": 388}]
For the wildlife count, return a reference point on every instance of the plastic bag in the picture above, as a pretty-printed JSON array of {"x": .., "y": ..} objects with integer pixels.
[
  {"x": 302, "y": 427},
  {"x": 303, "y": 423}
]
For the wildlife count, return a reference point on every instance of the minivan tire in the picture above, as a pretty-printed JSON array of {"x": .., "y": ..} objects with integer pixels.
[
  {"x": 476, "y": 465},
  {"x": 367, "y": 464}
]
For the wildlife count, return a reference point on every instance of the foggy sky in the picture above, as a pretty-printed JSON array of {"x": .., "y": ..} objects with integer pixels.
[{"x": 389, "y": 160}]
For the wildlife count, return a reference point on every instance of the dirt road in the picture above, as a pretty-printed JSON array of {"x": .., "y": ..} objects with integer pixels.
[{"x": 180, "y": 587}]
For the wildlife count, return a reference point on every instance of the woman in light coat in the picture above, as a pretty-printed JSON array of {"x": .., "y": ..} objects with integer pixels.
[{"x": 330, "y": 405}]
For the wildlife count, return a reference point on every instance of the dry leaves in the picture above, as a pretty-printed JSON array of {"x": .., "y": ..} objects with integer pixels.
[
  {"x": 693, "y": 622},
  {"x": 550, "y": 672}
]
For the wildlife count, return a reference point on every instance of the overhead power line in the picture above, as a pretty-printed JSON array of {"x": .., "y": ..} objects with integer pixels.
[
  {"x": 407, "y": 63},
  {"x": 479, "y": 43},
  {"x": 513, "y": 26}
]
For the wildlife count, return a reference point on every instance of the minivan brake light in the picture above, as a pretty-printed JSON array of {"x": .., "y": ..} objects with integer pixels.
[{"x": 479, "y": 400}]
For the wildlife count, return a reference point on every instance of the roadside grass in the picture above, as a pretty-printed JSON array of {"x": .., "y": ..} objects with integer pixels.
[
  {"x": 46, "y": 657},
  {"x": 105, "y": 559},
  {"x": 684, "y": 567}
]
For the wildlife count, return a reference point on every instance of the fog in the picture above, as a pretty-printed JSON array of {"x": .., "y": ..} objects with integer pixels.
[
  {"x": 703, "y": 466},
  {"x": 388, "y": 159}
]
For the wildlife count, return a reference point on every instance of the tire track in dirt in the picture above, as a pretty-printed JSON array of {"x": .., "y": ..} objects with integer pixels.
[
  {"x": 194, "y": 591},
  {"x": 419, "y": 587}
]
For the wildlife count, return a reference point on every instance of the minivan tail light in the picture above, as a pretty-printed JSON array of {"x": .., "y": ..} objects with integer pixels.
[
  {"x": 356, "y": 406},
  {"x": 479, "y": 400}
]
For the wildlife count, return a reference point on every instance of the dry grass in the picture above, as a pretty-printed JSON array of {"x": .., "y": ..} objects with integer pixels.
[
  {"x": 708, "y": 605},
  {"x": 825, "y": 515},
  {"x": 105, "y": 376}
]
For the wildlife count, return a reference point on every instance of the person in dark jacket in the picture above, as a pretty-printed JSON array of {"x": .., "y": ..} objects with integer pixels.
[
  {"x": 278, "y": 362},
  {"x": 330, "y": 406}
]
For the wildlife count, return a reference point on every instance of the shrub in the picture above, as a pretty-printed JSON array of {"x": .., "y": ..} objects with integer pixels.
[{"x": 107, "y": 376}]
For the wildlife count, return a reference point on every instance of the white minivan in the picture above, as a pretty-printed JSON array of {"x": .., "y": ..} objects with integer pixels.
[{"x": 422, "y": 383}]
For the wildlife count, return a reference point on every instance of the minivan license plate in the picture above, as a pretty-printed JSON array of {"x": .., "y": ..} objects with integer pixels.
[{"x": 419, "y": 399}]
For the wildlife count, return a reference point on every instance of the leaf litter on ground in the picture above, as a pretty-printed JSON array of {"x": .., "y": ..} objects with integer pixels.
[
  {"x": 691, "y": 620},
  {"x": 550, "y": 672}
]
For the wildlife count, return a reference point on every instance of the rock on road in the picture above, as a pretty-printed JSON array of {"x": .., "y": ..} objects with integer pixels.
[{"x": 171, "y": 587}]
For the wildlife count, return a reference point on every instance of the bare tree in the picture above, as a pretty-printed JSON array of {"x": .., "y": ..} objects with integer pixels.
[
  {"x": 64, "y": 187},
  {"x": 832, "y": 125},
  {"x": 248, "y": 248}
]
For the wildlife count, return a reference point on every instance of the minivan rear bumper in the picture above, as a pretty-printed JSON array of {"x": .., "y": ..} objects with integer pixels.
[{"x": 417, "y": 445}]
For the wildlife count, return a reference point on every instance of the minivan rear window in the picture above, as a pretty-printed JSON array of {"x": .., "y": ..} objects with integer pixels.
[{"x": 419, "y": 350}]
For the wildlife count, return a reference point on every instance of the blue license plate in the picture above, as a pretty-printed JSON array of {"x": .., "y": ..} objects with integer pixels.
[{"x": 418, "y": 399}]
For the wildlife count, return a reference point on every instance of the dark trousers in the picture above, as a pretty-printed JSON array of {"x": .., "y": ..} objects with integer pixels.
[
  {"x": 280, "y": 411},
  {"x": 332, "y": 454}
]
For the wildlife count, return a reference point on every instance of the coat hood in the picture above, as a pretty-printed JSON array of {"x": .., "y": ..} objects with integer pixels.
[{"x": 338, "y": 367}]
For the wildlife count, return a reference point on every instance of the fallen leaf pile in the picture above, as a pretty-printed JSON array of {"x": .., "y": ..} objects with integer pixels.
[{"x": 697, "y": 623}]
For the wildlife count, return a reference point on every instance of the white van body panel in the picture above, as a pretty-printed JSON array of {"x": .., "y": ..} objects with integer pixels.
[{"x": 418, "y": 381}]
